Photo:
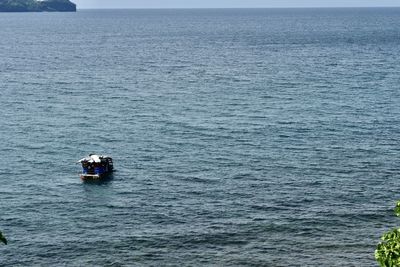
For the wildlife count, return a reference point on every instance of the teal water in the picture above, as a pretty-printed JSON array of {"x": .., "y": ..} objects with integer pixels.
[{"x": 240, "y": 137}]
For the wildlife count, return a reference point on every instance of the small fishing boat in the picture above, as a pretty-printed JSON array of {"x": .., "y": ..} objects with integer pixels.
[{"x": 96, "y": 167}]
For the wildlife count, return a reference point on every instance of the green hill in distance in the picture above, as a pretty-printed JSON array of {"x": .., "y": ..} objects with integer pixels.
[{"x": 37, "y": 6}]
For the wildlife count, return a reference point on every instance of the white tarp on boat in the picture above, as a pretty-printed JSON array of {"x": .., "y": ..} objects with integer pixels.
[
  {"x": 95, "y": 158},
  {"x": 91, "y": 159}
]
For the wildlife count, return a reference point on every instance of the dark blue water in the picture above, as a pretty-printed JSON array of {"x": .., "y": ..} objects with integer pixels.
[{"x": 240, "y": 137}]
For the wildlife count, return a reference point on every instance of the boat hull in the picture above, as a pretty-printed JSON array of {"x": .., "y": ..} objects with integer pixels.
[{"x": 93, "y": 177}]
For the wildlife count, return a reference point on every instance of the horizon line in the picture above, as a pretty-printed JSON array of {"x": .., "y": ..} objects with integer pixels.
[{"x": 290, "y": 7}]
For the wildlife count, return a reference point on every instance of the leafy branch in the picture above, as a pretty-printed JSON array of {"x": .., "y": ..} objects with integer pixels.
[{"x": 387, "y": 253}]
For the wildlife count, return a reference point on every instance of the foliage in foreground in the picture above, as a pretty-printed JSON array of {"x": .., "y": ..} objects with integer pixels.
[
  {"x": 3, "y": 239},
  {"x": 387, "y": 253}
]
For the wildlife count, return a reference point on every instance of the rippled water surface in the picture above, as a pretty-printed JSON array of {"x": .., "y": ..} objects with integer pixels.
[{"x": 240, "y": 137}]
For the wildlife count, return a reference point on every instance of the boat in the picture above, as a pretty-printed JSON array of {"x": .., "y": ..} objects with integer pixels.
[{"x": 96, "y": 167}]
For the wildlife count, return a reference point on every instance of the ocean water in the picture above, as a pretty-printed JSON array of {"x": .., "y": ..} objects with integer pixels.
[{"x": 244, "y": 137}]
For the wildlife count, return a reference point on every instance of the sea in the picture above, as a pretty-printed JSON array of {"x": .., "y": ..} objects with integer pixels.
[{"x": 240, "y": 137}]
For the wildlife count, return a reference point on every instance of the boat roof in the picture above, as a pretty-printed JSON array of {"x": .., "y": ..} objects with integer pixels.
[{"x": 92, "y": 158}]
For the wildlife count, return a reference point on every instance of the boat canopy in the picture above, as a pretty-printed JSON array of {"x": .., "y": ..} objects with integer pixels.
[{"x": 93, "y": 159}]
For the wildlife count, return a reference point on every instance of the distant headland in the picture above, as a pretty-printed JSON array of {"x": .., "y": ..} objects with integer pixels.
[{"x": 37, "y": 6}]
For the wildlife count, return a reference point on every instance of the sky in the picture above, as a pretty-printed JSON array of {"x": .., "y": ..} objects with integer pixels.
[{"x": 82, "y": 4}]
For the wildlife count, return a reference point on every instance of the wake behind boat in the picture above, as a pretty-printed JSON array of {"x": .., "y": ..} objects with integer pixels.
[{"x": 96, "y": 167}]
